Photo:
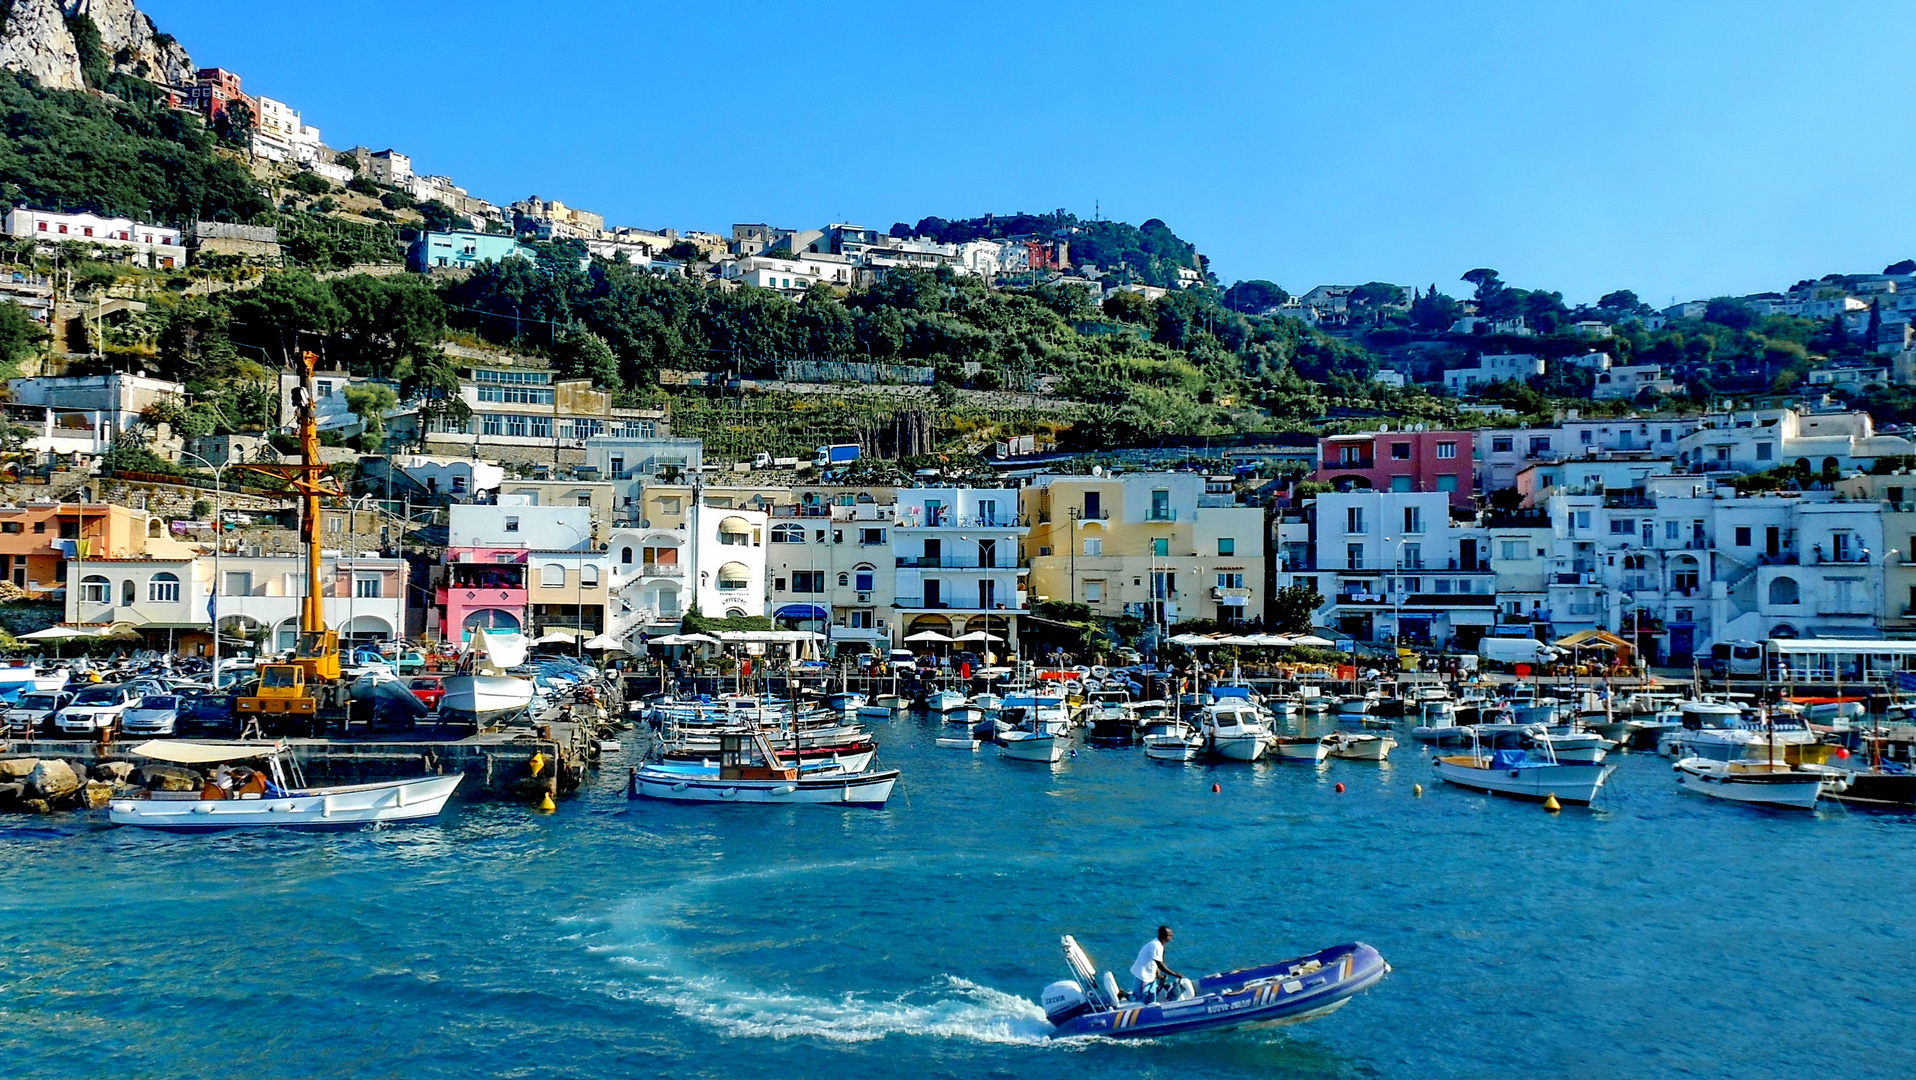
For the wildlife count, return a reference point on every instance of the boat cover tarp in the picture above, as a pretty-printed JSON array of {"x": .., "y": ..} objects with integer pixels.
[
  {"x": 190, "y": 753},
  {"x": 1506, "y": 759}
]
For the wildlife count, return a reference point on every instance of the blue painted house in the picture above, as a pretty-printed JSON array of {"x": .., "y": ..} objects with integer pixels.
[{"x": 464, "y": 250}]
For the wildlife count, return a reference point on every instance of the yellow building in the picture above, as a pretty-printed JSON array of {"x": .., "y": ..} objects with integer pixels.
[{"x": 1162, "y": 547}]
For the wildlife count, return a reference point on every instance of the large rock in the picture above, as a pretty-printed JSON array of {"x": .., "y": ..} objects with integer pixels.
[
  {"x": 132, "y": 43},
  {"x": 52, "y": 780},
  {"x": 114, "y": 771},
  {"x": 36, "y": 42},
  {"x": 18, "y": 768},
  {"x": 169, "y": 778},
  {"x": 96, "y": 794}
]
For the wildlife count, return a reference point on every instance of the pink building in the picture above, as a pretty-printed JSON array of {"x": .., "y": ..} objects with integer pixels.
[
  {"x": 1401, "y": 461},
  {"x": 484, "y": 589}
]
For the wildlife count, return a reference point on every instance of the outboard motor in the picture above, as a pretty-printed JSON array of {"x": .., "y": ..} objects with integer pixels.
[{"x": 1064, "y": 1001}]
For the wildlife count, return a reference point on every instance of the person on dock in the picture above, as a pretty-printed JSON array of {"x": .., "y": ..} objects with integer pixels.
[{"x": 1149, "y": 965}]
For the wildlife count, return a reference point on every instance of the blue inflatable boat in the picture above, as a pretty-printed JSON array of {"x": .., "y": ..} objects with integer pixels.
[{"x": 1283, "y": 993}]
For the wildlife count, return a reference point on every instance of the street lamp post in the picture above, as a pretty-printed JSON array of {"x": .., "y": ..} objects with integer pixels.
[{"x": 213, "y": 609}]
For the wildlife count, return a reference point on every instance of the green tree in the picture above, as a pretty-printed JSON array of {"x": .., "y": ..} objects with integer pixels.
[
  {"x": 1434, "y": 311},
  {"x": 1254, "y": 297},
  {"x": 587, "y": 356},
  {"x": 369, "y": 402},
  {"x": 1292, "y": 607},
  {"x": 310, "y": 183},
  {"x": 20, "y": 336},
  {"x": 234, "y": 124}
]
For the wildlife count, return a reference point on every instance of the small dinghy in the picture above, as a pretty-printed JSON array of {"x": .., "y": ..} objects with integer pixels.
[
  {"x": 1032, "y": 746},
  {"x": 1360, "y": 746},
  {"x": 1283, "y": 993},
  {"x": 1175, "y": 741},
  {"x": 1301, "y": 747}
]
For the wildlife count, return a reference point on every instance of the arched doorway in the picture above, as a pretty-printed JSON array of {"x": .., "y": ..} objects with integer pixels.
[{"x": 491, "y": 620}]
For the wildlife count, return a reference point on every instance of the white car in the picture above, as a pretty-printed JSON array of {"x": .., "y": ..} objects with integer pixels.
[
  {"x": 155, "y": 714},
  {"x": 34, "y": 711},
  {"x": 95, "y": 709}
]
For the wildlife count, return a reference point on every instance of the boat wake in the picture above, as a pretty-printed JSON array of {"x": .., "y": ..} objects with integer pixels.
[{"x": 953, "y": 1008}]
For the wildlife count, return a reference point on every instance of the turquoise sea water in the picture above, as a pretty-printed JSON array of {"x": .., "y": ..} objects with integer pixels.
[{"x": 1659, "y": 935}]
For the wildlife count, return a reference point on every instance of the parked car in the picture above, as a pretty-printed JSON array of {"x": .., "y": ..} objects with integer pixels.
[
  {"x": 903, "y": 662},
  {"x": 207, "y": 715},
  {"x": 154, "y": 714},
  {"x": 33, "y": 712},
  {"x": 428, "y": 689},
  {"x": 95, "y": 709}
]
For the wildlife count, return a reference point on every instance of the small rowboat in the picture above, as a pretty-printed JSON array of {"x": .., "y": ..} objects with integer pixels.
[{"x": 1283, "y": 993}]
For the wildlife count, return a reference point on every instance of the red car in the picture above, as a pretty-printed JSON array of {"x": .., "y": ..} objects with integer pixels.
[{"x": 428, "y": 689}]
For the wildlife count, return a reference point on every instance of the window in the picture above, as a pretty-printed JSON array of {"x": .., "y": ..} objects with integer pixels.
[
  {"x": 10, "y": 526},
  {"x": 871, "y": 537},
  {"x": 1411, "y": 557},
  {"x": 1354, "y": 520},
  {"x": 369, "y": 586},
  {"x": 1413, "y": 519},
  {"x": 1443, "y": 585},
  {"x": 1623, "y": 525},
  {"x": 552, "y": 575},
  {"x": 1765, "y": 451},
  {"x": 625, "y": 556},
  {"x": 1582, "y": 519},
  {"x": 238, "y": 583},
  {"x": 40, "y": 526},
  {"x": 1671, "y": 529},
  {"x": 1094, "y": 592},
  {"x": 335, "y": 523},
  {"x": 1401, "y": 451},
  {"x": 94, "y": 589},
  {"x": 126, "y": 593},
  {"x": 788, "y": 534},
  {"x": 1584, "y": 435},
  {"x": 589, "y": 576},
  {"x": 1742, "y": 536},
  {"x": 1539, "y": 445},
  {"x": 1227, "y": 545},
  {"x": 1354, "y": 556},
  {"x": 1094, "y": 545},
  {"x": 492, "y": 424},
  {"x": 512, "y": 524},
  {"x": 1447, "y": 482},
  {"x": 540, "y": 427},
  {"x": 859, "y": 619},
  {"x": 1400, "y": 483},
  {"x": 1510, "y": 549},
  {"x": 863, "y": 577},
  {"x": 1446, "y": 450},
  {"x": 1230, "y": 580},
  {"x": 1842, "y": 546},
  {"x": 1501, "y": 444},
  {"x": 163, "y": 588},
  {"x": 1161, "y": 547},
  {"x": 808, "y": 581}
]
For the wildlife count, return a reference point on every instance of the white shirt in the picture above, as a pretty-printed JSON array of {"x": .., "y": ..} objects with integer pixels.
[{"x": 1145, "y": 967}]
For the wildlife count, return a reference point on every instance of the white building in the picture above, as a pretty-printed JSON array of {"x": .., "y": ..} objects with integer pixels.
[
  {"x": 461, "y": 478},
  {"x": 1400, "y": 570},
  {"x": 390, "y": 167},
  {"x": 152, "y": 246},
  {"x": 790, "y": 276},
  {"x": 363, "y": 597},
  {"x": 1493, "y": 368},
  {"x": 279, "y": 134},
  {"x": 1626, "y": 381},
  {"x": 956, "y": 563},
  {"x": 1819, "y": 442}
]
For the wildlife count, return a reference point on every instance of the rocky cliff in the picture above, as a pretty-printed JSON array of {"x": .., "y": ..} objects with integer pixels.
[{"x": 37, "y": 38}]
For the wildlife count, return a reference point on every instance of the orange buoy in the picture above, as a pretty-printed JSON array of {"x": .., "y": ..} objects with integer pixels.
[
  {"x": 1215, "y": 788},
  {"x": 1340, "y": 787}
]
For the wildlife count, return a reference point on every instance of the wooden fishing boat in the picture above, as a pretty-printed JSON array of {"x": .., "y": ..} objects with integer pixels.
[{"x": 272, "y": 795}]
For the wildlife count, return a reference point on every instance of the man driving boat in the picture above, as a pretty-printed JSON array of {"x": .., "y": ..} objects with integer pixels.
[{"x": 1149, "y": 965}]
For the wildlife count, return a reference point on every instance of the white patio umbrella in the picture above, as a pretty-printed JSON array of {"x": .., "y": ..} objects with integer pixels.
[
  {"x": 976, "y": 635},
  {"x": 1312, "y": 639},
  {"x": 929, "y": 635},
  {"x": 59, "y": 633},
  {"x": 602, "y": 643},
  {"x": 554, "y": 637},
  {"x": 1193, "y": 641}
]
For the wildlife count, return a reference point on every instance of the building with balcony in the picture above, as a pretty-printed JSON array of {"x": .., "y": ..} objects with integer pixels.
[
  {"x": 1826, "y": 443},
  {"x": 505, "y": 557},
  {"x": 1401, "y": 461},
  {"x": 1401, "y": 570},
  {"x": 1161, "y": 547},
  {"x": 956, "y": 564},
  {"x": 531, "y": 414},
  {"x": 831, "y": 566},
  {"x": 1502, "y": 453}
]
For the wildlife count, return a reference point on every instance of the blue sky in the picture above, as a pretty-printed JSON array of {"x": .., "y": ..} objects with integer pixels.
[{"x": 1678, "y": 149}]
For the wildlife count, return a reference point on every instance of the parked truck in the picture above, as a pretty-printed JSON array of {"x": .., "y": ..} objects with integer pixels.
[{"x": 835, "y": 454}]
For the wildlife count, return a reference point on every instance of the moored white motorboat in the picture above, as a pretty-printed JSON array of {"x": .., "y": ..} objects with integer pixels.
[
  {"x": 1576, "y": 747},
  {"x": 1360, "y": 746},
  {"x": 1235, "y": 731},
  {"x": 275, "y": 796},
  {"x": 488, "y": 695},
  {"x": 1437, "y": 724},
  {"x": 1759, "y": 783},
  {"x": 1174, "y": 740},
  {"x": 1033, "y": 746},
  {"x": 1301, "y": 747},
  {"x": 1523, "y": 774}
]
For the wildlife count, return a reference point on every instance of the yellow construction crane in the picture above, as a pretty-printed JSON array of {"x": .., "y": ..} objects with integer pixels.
[{"x": 312, "y": 680}]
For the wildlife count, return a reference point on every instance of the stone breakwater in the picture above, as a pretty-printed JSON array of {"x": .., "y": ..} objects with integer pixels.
[{"x": 43, "y": 785}]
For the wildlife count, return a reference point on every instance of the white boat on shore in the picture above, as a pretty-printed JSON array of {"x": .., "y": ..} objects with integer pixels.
[
  {"x": 488, "y": 695},
  {"x": 273, "y": 795}
]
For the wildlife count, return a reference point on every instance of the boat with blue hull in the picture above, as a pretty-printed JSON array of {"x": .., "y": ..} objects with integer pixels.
[{"x": 1283, "y": 993}]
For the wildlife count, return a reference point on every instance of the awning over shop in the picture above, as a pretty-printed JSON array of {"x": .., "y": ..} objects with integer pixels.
[{"x": 803, "y": 611}]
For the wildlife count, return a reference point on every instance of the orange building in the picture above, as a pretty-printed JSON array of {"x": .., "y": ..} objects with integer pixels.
[{"x": 37, "y": 540}]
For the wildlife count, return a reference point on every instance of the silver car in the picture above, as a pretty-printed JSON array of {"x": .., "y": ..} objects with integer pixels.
[
  {"x": 34, "y": 711},
  {"x": 155, "y": 714}
]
